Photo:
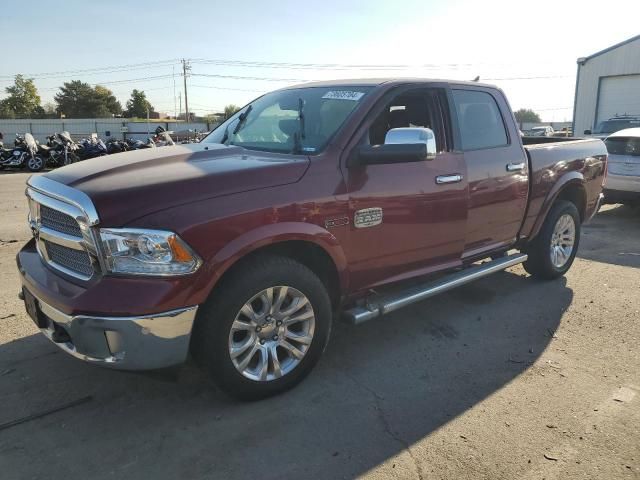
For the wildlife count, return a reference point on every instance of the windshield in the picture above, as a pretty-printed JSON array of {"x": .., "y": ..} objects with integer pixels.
[
  {"x": 300, "y": 120},
  {"x": 611, "y": 126}
]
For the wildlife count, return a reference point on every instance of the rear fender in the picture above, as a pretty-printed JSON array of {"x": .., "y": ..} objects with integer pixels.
[{"x": 568, "y": 180}]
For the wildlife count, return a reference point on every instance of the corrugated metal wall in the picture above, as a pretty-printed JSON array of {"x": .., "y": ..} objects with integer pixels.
[
  {"x": 623, "y": 60},
  {"x": 78, "y": 128}
]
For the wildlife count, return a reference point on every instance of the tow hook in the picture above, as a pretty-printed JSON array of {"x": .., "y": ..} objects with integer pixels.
[{"x": 60, "y": 335}]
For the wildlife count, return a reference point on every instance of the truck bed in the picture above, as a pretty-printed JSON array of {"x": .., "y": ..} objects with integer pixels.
[{"x": 553, "y": 157}]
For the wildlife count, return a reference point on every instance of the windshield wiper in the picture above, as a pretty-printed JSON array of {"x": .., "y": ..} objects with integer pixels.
[
  {"x": 242, "y": 119},
  {"x": 300, "y": 134},
  {"x": 225, "y": 137}
]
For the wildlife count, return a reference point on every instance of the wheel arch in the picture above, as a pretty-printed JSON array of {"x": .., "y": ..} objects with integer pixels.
[
  {"x": 570, "y": 187},
  {"x": 306, "y": 243}
]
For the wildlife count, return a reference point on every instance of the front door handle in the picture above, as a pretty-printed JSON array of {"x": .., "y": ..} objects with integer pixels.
[
  {"x": 515, "y": 167},
  {"x": 453, "y": 178}
]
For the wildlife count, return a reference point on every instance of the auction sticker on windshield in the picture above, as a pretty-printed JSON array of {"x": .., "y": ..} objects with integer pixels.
[{"x": 343, "y": 95}]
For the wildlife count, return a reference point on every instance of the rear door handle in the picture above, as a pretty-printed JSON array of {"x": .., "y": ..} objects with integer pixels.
[
  {"x": 453, "y": 178},
  {"x": 515, "y": 167}
]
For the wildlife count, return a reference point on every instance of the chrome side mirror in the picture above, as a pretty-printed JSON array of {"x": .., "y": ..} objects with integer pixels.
[{"x": 413, "y": 135}]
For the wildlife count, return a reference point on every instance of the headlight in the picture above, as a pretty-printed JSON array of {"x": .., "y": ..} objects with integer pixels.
[{"x": 147, "y": 252}]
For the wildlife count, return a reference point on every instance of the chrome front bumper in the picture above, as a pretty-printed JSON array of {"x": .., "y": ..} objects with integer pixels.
[{"x": 128, "y": 343}]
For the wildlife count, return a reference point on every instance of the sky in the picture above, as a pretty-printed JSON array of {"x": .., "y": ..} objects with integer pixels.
[{"x": 529, "y": 49}]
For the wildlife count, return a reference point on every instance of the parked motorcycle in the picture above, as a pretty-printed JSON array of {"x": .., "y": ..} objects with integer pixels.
[
  {"x": 60, "y": 150},
  {"x": 139, "y": 144},
  {"x": 116, "y": 146},
  {"x": 23, "y": 154},
  {"x": 92, "y": 148},
  {"x": 162, "y": 138}
]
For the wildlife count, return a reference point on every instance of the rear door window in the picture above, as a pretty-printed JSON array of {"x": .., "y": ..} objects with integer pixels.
[{"x": 481, "y": 124}]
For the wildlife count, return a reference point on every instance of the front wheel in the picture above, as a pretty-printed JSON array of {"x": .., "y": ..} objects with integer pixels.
[
  {"x": 552, "y": 252},
  {"x": 35, "y": 163},
  {"x": 264, "y": 329}
]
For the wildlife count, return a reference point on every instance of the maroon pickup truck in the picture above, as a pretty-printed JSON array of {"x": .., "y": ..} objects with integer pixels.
[{"x": 325, "y": 199}]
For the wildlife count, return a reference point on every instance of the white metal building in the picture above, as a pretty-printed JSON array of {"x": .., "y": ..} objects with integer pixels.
[{"x": 607, "y": 84}]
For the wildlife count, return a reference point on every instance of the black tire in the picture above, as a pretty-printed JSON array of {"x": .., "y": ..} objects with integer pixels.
[
  {"x": 36, "y": 164},
  {"x": 210, "y": 337},
  {"x": 539, "y": 263}
]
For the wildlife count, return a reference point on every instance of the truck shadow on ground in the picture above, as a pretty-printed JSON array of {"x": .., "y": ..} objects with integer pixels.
[
  {"x": 606, "y": 238},
  {"x": 380, "y": 388}
]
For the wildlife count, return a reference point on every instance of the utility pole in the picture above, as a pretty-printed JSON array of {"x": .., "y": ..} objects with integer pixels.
[
  {"x": 185, "y": 68},
  {"x": 175, "y": 105}
]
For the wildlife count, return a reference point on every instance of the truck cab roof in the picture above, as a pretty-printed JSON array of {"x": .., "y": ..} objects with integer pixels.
[{"x": 386, "y": 81}]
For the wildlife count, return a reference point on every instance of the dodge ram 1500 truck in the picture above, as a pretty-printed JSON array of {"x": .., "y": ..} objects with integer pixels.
[{"x": 349, "y": 198}]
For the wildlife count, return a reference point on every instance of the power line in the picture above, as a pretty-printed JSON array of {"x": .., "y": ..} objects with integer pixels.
[
  {"x": 324, "y": 66},
  {"x": 97, "y": 70},
  {"x": 115, "y": 82},
  {"x": 215, "y": 87},
  {"x": 239, "y": 77}
]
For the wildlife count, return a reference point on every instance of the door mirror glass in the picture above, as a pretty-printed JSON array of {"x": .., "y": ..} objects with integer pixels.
[{"x": 413, "y": 135}]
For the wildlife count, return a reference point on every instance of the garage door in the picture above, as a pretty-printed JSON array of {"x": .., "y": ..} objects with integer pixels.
[{"x": 619, "y": 95}]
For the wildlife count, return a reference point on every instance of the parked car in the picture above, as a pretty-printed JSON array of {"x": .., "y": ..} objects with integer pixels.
[
  {"x": 545, "y": 131},
  {"x": 614, "y": 124},
  {"x": 329, "y": 198},
  {"x": 622, "y": 184}
]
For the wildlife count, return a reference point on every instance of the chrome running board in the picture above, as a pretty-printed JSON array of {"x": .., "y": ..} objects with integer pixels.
[{"x": 379, "y": 305}]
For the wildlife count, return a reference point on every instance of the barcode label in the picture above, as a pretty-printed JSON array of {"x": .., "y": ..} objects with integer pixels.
[{"x": 343, "y": 95}]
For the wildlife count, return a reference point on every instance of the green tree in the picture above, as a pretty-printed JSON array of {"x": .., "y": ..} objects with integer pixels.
[
  {"x": 230, "y": 110},
  {"x": 50, "y": 109},
  {"x": 77, "y": 99},
  {"x": 138, "y": 105},
  {"x": 527, "y": 115},
  {"x": 5, "y": 110},
  {"x": 23, "y": 100},
  {"x": 109, "y": 105}
]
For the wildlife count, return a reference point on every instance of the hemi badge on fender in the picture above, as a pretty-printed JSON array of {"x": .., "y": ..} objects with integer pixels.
[
  {"x": 336, "y": 222},
  {"x": 368, "y": 217}
]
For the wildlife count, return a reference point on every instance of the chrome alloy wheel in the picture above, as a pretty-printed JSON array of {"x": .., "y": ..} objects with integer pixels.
[
  {"x": 271, "y": 333},
  {"x": 562, "y": 240}
]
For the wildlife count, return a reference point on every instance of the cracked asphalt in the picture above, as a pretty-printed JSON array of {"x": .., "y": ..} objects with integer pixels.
[{"x": 504, "y": 378}]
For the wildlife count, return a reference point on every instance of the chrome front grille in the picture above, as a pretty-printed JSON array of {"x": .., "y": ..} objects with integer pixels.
[
  {"x": 58, "y": 221},
  {"x": 61, "y": 219},
  {"x": 75, "y": 260}
]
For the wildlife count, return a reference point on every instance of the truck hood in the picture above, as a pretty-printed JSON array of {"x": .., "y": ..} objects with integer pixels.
[{"x": 129, "y": 185}]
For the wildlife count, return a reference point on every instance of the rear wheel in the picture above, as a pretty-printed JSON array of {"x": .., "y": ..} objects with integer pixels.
[
  {"x": 264, "y": 329},
  {"x": 552, "y": 252}
]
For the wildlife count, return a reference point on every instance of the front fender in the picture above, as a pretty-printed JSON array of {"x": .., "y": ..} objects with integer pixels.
[{"x": 266, "y": 235}]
